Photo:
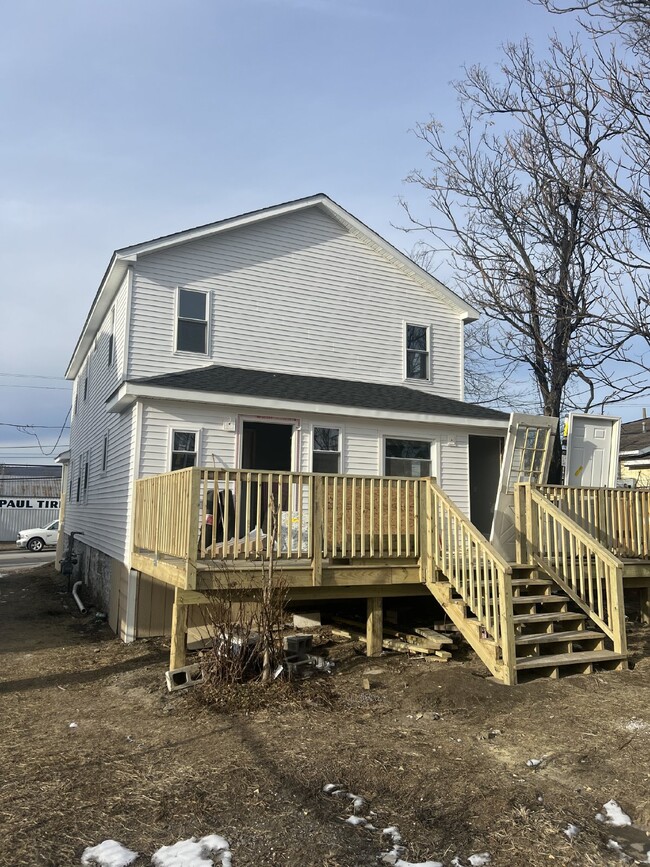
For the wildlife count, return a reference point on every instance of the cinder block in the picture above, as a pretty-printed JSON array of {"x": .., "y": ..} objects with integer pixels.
[
  {"x": 297, "y": 645},
  {"x": 307, "y": 620},
  {"x": 181, "y": 678}
]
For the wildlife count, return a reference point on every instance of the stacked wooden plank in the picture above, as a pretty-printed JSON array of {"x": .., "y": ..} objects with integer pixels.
[{"x": 418, "y": 640}]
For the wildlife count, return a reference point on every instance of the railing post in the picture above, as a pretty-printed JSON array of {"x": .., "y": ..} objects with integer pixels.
[
  {"x": 425, "y": 530},
  {"x": 317, "y": 516},
  {"x": 532, "y": 542},
  {"x": 193, "y": 528},
  {"x": 617, "y": 614},
  {"x": 506, "y": 625},
  {"x": 521, "y": 548}
]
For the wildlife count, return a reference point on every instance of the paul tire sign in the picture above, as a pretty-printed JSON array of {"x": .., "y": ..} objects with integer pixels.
[{"x": 27, "y": 503}]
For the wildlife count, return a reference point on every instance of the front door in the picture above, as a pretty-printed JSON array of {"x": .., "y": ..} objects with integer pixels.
[
  {"x": 592, "y": 451},
  {"x": 526, "y": 458},
  {"x": 266, "y": 446}
]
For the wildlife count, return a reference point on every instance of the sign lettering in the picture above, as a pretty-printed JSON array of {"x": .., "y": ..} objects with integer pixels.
[{"x": 14, "y": 502}]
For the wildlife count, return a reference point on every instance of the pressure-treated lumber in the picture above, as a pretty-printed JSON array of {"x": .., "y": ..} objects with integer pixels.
[
  {"x": 178, "y": 649},
  {"x": 374, "y": 626}
]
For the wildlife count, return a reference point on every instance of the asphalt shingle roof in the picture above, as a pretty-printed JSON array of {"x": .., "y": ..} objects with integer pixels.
[
  {"x": 634, "y": 437},
  {"x": 219, "y": 379}
]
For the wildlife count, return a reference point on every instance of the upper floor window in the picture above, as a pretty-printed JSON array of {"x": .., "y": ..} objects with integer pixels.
[
  {"x": 327, "y": 450},
  {"x": 417, "y": 352},
  {"x": 184, "y": 450},
  {"x": 408, "y": 457},
  {"x": 192, "y": 321}
]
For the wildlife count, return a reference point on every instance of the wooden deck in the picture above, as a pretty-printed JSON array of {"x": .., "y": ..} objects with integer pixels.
[{"x": 337, "y": 537}]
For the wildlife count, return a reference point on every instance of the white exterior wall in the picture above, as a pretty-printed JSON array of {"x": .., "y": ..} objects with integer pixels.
[
  {"x": 362, "y": 441},
  {"x": 103, "y": 513},
  {"x": 296, "y": 294}
]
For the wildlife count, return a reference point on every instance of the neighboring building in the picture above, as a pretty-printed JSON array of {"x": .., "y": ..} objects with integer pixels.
[
  {"x": 634, "y": 453},
  {"x": 291, "y": 338},
  {"x": 29, "y": 497}
]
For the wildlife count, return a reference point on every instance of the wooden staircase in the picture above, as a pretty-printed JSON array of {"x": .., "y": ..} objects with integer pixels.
[
  {"x": 552, "y": 635},
  {"x": 560, "y": 613}
]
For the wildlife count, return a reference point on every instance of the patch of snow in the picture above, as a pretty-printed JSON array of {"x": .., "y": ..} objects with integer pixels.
[
  {"x": 571, "y": 831},
  {"x": 401, "y": 863},
  {"x": 110, "y": 853},
  {"x": 330, "y": 788},
  {"x": 534, "y": 763},
  {"x": 613, "y": 815},
  {"x": 480, "y": 860},
  {"x": 393, "y": 833},
  {"x": 194, "y": 853},
  {"x": 360, "y": 822},
  {"x": 636, "y": 725},
  {"x": 73, "y": 725}
]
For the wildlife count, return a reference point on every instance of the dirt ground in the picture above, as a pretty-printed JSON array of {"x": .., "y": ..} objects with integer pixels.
[{"x": 439, "y": 750}]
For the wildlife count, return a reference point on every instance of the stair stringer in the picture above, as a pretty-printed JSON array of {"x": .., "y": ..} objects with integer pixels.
[{"x": 469, "y": 629}]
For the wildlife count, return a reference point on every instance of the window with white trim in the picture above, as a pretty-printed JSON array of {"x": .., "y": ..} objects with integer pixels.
[
  {"x": 326, "y": 450},
  {"x": 417, "y": 352},
  {"x": 192, "y": 321},
  {"x": 184, "y": 449},
  {"x": 407, "y": 457}
]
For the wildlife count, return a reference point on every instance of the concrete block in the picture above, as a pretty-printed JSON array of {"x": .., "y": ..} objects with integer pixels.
[
  {"x": 297, "y": 645},
  {"x": 307, "y": 620},
  {"x": 181, "y": 678}
]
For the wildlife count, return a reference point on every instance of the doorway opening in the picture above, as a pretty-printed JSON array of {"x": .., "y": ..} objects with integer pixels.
[
  {"x": 266, "y": 446},
  {"x": 484, "y": 468}
]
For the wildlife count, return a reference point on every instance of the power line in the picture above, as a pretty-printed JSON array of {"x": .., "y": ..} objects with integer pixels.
[
  {"x": 32, "y": 376},
  {"x": 26, "y": 429},
  {"x": 33, "y": 426},
  {"x": 42, "y": 387},
  {"x": 13, "y": 448}
]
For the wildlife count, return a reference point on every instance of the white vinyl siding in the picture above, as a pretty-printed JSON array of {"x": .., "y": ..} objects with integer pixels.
[
  {"x": 296, "y": 294},
  {"x": 104, "y": 516},
  {"x": 362, "y": 442}
]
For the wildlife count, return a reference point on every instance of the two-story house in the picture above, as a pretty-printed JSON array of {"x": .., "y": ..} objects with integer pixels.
[{"x": 292, "y": 338}]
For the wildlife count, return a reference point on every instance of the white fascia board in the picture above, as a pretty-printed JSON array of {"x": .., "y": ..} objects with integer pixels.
[
  {"x": 129, "y": 392},
  {"x": 108, "y": 289},
  {"x": 635, "y": 452}
]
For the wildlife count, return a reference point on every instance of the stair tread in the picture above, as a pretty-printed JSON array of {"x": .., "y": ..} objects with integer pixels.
[
  {"x": 549, "y": 616},
  {"x": 551, "y": 597},
  {"x": 524, "y": 582},
  {"x": 569, "y": 659},
  {"x": 550, "y": 637}
]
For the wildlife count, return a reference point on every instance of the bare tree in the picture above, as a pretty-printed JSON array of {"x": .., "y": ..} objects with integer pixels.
[
  {"x": 521, "y": 199},
  {"x": 620, "y": 33}
]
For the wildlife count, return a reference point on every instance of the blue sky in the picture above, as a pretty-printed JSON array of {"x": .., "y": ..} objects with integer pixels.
[{"x": 127, "y": 120}]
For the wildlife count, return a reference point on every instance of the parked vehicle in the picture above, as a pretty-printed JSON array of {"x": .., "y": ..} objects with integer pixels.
[{"x": 39, "y": 537}]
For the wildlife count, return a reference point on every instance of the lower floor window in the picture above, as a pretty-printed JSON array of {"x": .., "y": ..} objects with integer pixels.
[
  {"x": 408, "y": 458},
  {"x": 327, "y": 450},
  {"x": 183, "y": 449}
]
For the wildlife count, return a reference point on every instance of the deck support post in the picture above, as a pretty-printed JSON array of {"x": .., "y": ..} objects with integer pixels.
[
  {"x": 375, "y": 626},
  {"x": 521, "y": 550},
  {"x": 178, "y": 649}
]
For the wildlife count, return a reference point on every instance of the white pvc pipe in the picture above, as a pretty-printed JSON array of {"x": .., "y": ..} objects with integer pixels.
[{"x": 76, "y": 598}]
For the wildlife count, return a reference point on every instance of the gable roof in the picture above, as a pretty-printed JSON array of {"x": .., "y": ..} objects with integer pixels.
[
  {"x": 118, "y": 265},
  {"x": 289, "y": 387}
]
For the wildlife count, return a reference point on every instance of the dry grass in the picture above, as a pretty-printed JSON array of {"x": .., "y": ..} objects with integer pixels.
[{"x": 149, "y": 768}]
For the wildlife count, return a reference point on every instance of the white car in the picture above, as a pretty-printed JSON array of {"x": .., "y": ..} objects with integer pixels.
[{"x": 38, "y": 538}]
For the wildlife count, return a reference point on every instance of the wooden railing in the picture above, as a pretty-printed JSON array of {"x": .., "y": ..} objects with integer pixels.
[
  {"x": 323, "y": 515},
  {"x": 618, "y": 518},
  {"x": 475, "y": 570},
  {"x": 221, "y": 514},
  {"x": 163, "y": 514},
  {"x": 584, "y": 568}
]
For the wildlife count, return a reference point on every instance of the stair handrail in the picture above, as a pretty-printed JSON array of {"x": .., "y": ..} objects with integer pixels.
[
  {"x": 590, "y": 574},
  {"x": 475, "y": 570}
]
